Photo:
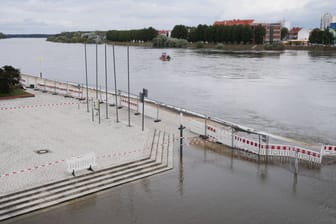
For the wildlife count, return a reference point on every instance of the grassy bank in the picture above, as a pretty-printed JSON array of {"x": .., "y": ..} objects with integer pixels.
[{"x": 16, "y": 93}]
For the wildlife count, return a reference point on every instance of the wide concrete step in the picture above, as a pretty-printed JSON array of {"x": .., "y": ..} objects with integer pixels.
[{"x": 159, "y": 160}]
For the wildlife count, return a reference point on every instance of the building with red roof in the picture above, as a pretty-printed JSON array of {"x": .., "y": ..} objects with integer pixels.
[
  {"x": 293, "y": 33},
  {"x": 234, "y": 22}
]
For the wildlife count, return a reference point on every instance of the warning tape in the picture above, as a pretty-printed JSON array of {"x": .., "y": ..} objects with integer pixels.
[
  {"x": 32, "y": 168},
  {"x": 46, "y": 165},
  {"x": 40, "y": 105}
]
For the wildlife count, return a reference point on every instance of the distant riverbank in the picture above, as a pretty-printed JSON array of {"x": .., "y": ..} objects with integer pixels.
[{"x": 235, "y": 47}]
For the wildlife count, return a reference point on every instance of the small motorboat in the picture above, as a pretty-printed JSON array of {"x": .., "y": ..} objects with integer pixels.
[{"x": 165, "y": 57}]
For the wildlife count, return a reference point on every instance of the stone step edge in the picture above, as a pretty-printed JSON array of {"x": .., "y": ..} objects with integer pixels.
[
  {"x": 82, "y": 194},
  {"x": 77, "y": 186},
  {"x": 58, "y": 189}
]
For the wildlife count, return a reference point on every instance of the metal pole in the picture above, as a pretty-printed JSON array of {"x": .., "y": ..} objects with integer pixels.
[
  {"x": 99, "y": 111},
  {"x": 143, "y": 113},
  {"x": 181, "y": 134},
  {"x": 55, "y": 89},
  {"x": 232, "y": 137},
  {"x": 86, "y": 80},
  {"x": 259, "y": 146},
  {"x": 93, "y": 106},
  {"x": 96, "y": 71},
  {"x": 115, "y": 84},
  {"x": 128, "y": 89},
  {"x": 106, "y": 83}
]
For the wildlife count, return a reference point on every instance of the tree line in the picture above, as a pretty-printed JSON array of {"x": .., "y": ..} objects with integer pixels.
[
  {"x": 146, "y": 34},
  {"x": 318, "y": 36},
  {"x": 220, "y": 34}
]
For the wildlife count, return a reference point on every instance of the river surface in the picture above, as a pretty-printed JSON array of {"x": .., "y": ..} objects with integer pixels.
[{"x": 290, "y": 93}]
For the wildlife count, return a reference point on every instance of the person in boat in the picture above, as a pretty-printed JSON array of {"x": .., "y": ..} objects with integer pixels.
[{"x": 165, "y": 57}]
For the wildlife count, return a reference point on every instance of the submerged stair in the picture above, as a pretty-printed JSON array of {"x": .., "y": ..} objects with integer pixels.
[{"x": 160, "y": 159}]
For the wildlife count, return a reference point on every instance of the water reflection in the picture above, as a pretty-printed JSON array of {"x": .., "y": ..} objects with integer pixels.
[{"x": 181, "y": 176}]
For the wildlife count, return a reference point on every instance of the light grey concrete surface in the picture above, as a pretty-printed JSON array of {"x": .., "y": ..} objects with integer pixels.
[{"x": 63, "y": 126}]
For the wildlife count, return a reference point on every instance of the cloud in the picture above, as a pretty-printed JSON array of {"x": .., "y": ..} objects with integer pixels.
[{"x": 54, "y": 16}]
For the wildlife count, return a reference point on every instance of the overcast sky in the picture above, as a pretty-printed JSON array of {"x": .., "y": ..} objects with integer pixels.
[{"x": 54, "y": 16}]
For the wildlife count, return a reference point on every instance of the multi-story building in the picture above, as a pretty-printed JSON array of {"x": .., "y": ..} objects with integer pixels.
[
  {"x": 273, "y": 32},
  {"x": 234, "y": 22},
  {"x": 326, "y": 19}
]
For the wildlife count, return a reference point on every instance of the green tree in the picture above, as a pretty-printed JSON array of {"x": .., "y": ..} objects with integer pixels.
[
  {"x": 327, "y": 37},
  {"x": 259, "y": 33},
  {"x": 284, "y": 33},
  {"x": 2, "y": 36},
  {"x": 180, "y": 32},
  {"x": 9, "y": 78},
  {"x": 246, "y": 34},
  {"x": 315, "y": 36}
]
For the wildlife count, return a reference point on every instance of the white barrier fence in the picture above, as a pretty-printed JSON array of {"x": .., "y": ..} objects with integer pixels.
[
  {"x": 84, "y": 162},
  {"x": 124, "y": 102},
  {"x": 62, "y": 89},
  {"x": 328, "y": 150},
  {"x": 224, "y": 136}
]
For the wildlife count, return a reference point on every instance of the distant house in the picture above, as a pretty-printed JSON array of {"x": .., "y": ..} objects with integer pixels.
[
  {"x": 164, "y": 33},
  {"x": 294, "y": 33},
  {"x": 298, "y": 36}
]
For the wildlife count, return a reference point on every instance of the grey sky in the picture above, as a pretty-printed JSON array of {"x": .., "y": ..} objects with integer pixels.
[{"x": 53, "y": 16}]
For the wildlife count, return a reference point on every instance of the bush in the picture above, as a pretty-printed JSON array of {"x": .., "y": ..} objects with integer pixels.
[
  {"x": 199, "y": 45},
  {"x": 9, "y": 78},
  {"x": 220, "y": 46},
  {"x": 163, "y": 41},
  {"x": 277, "y": 46}
]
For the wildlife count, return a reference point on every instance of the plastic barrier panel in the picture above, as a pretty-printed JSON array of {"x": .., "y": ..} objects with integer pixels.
[
  {"x": 133, "y": 103},
  {"x": 81, "y": 163},
  {"x": 328, "y": 150},
  {"x": 197, "y": 127}
]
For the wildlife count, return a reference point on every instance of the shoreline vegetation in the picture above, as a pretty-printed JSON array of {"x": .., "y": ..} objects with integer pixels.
[
  {"x": 165, "y": 42},
  {"x": 15, "y": 93}
]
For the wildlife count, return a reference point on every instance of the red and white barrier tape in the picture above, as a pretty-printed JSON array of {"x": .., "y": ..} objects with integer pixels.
[
  {"x": 40, "y": 105},
  {"x": 46, "y": 165}
]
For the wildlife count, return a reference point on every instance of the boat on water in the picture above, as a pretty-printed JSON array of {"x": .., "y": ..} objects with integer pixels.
[{"x": 165, "y": 57}]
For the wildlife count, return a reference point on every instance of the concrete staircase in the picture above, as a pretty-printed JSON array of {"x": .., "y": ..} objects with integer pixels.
[{"x": 160, "y": 159}]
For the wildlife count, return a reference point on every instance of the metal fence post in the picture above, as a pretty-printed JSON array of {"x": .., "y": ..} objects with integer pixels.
[{"x": 157, "y": 113}]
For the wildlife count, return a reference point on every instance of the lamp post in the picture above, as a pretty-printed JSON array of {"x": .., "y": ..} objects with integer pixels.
[
  {"x": 142, "y": 96},
  {"x": 115, "y": 84},
  {"x": 86, "y": 80},
  {"x": 181, "y": 135},
  {"x": 128, "y": 89}
]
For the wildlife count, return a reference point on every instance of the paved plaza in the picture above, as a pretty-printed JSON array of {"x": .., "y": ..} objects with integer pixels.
[{"x": 64, "y": 128}]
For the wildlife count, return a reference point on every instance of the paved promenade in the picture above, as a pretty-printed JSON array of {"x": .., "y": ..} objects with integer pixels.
[{"x": 65, "y": 128}]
